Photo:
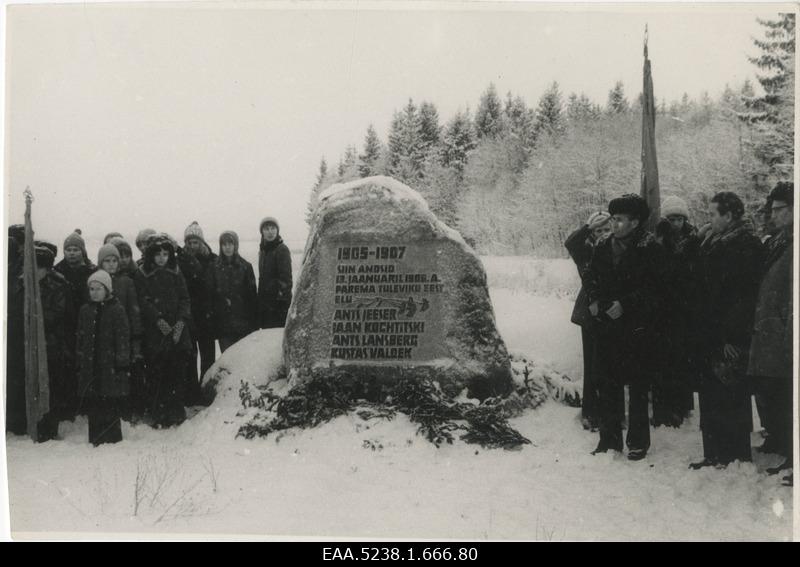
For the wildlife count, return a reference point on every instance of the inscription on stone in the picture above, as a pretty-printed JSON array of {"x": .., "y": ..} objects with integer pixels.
[{"x": 386, "y": 302}]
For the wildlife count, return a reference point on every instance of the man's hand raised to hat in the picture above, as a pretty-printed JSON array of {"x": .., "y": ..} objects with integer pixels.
[{"x": 598, "y": 219}]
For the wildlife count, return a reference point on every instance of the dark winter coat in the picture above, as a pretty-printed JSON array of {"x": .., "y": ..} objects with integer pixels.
[
  {"x": 125, "y": 292},
  {"x": 162, "y": 295},
  {"x": 274, "y": 272},
  {"x": 634, "y": 280},
  {"x": 232, "y": 289},
  {"x": 103, "y": 350},
  {"x": 130, "y": 271},
  {"x": 192, "y": 272},
  {"x": 198, "y": 293},
  {"x": 771, "y": 347},
  {"x": 579, "y": 245},
  {"x": 681, "y": 256},
  {"x": 681, "y": 294},
  {"x": 77, "y": 277},
  {"x": 728, "y": 276},
  {"x": 59, "y": 330}
]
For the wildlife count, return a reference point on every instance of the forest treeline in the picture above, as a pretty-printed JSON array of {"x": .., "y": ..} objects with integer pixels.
[{"x": 515, "y": 178}]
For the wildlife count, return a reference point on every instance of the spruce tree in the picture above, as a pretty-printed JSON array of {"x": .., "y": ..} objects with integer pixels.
[
  {"x": 429, "y": 129},
  {"x": 489, "y": 116},
  {"x": 580, "y": 108},
  {"x": 549, "y": 112},
  {"x": 772, "y": 114},
  {"x": 348, "y": 166},
  {"x": 320, "y": 184},
  {"x": 406, "y": 156},
  {"x": 521, "y": 122},
  {"x": 368, "y": 161},
  {"x": 458, "y": 141},
  {"x": 617, "y": 103}
]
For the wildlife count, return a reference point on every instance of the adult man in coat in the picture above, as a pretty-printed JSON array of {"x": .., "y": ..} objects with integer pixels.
[
  {"x": 622, "y": 286},
  {"x": 771, "y": 348},
  {"x": 728, "y": 264}
]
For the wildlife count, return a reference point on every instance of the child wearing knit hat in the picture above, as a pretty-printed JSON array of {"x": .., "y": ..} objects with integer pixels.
[
  {"x": 126, "y": 264},
  {"x": 108, "y": 258},
  {"x": 274, "y": 275},
  {"x": 232, "y": 285},
  {"x": 103, "y": 359},
  {"x": 76, "y": 268},
  {"x": 202, "y": 333}
]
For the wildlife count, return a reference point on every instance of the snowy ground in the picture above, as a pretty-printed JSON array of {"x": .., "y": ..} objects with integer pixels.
[{"x": 368, "y": 479}]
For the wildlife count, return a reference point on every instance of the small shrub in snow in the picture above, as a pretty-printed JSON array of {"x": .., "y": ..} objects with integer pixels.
[{"x": 535, "y": 384}]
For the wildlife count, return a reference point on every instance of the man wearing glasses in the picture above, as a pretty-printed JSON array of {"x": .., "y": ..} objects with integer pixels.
[{"x": 771, "y": 347}]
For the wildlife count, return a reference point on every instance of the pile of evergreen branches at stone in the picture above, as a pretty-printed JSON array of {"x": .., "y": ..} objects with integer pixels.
[{"x": 439, "y": 419}]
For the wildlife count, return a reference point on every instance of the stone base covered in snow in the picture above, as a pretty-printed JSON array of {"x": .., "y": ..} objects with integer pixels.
[{"x": 387, "y": 292}]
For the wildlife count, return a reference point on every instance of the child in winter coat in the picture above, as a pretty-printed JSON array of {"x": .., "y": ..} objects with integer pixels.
[
  {"x": 76, "y": 267},
  {"x": 232, "y": 289},
  {"x": 126, "y": 264},
  {"x": 274, "y": 276},
  {"x": 108, "y": 258},
  {"x": 199, "y": 253},
  {"x": 141, "y": 243},
  {"x": 103, "y": 359},
  {"x": 166, "y": 312}
]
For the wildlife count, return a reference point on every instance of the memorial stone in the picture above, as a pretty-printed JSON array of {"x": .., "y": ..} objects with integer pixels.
[{"x": 386, "y": 292}]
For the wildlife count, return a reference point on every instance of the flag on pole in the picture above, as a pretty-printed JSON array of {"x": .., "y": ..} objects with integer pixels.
[
  {"x": 37, "y": 381},
  {"x": 650, "y": 191}
]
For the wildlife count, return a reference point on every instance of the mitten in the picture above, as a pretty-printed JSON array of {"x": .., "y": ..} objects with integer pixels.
[
  {"x": 164, "y": 327},
  {"x": 176, "y": 332}
]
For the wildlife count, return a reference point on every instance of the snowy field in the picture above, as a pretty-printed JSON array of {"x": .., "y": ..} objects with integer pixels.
[{"x": 379, "y": 479}]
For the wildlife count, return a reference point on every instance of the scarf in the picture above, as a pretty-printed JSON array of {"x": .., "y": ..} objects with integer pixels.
[
  {"x": 733, "y": 231},
  {"x": 267, "y": 246}
]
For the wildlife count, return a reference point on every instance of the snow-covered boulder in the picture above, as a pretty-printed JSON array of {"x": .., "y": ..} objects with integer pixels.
[
  {"x": 386, "y": 292},
  {"x": 256, "y": 359}
]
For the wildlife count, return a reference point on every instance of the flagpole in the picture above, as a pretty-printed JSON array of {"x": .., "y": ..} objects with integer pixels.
[
  {"x": 37, "y": 381},
  {"x": 650, "y": 190}
]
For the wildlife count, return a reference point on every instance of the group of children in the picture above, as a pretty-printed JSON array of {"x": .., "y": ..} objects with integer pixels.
[{"x": 123, "y": 336}]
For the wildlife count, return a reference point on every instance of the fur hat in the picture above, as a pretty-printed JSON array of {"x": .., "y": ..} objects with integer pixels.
[
  {"x": 193, "y": 231},
  {"x": 45, "y": 255},
  {"x": 49, "y": 245},
  {"x": 673, "y": 206},
  {"x": 229, "y": 236},
  {"x": 107, "y": 250},
  {"x": 101, "y": 276},
  {"x": 75, "y": 239},
  {"x": 269, "y": 220},
  {"x": 144, "y": 234},
  {"x": 122, "y": 245},
  {"x": 156, "y": 242},
  {"x": 631, "y": 205}
]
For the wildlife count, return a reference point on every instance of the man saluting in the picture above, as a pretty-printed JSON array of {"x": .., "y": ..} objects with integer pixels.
[{"x": 622, "y": 288}]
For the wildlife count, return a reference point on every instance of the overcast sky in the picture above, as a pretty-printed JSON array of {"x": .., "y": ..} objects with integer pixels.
[{"x": 127, "y": 116}]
